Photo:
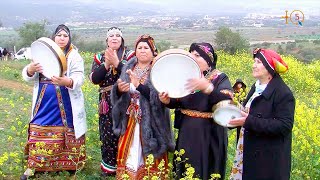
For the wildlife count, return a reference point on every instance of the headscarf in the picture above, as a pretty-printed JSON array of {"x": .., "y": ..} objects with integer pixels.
[
  {"x": 239, "y": 81},
  {"x": 271, "y": 61},
  {"x": 60, "y": 28},
  {"x": 149, "y": 40},
  {"x": 206, "y": 51}
]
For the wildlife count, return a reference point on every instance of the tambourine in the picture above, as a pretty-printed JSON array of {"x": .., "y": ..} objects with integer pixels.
[
  {"x": 171, "y": 71},
  {"x": 50, "y": 56},
  {"x": 224, "y": 111}
]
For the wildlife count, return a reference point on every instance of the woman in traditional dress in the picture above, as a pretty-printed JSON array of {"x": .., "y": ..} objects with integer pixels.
[
  {"x": 106, "y": 69},
  {"x": 139, "y": 117},
  {"x": 204, "y": 142},
  {"x": 57, "y": 128},
  {"x": 264, "y": 144}
]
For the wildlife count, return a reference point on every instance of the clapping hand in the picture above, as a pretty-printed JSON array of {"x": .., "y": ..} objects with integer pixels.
[
  {"x": 111, "y": 57},
  {"x": 134, "y": 79},
  {"x": 123, "y": 86}
]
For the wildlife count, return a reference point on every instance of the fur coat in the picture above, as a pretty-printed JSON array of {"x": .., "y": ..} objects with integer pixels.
[{"x": 156, "y": 129}]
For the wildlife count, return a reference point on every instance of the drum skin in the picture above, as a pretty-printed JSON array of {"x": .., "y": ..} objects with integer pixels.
[
  {"x": 224, "y": 111},
  {"x": 50, "y": 56},
  {"x": 171, "y": 70}
]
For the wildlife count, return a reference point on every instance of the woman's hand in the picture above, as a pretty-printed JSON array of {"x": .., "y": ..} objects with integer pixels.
[
  {"x": 239, "y": 121},
  {"x": 123, "y": 86},
  {"x": 62, "y": 81},
  {"x": 134, "y": 79},
  {"x": 34, "y": 67},
  {"x": 111, "y": 57},
  {"x": 164, "y": 98},
  {"x": 198, "y": 84}
]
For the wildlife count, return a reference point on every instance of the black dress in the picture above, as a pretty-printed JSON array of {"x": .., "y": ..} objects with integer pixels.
[
  {"x": 205, "y": 142},
  {"x": 105, "y": 79}
]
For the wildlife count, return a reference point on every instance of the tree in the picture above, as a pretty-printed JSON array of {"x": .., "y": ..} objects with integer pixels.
[
  {"x": 30, "y": 32},
  {"x": 280, "y": 49},
  {"x": 230, "y": 41},
  {"x": 163, "y": 45}
]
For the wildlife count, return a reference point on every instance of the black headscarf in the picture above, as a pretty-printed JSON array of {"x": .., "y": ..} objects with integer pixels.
[
  {"x": 206, "y": 51},
  {"x": 60, "y": 28}
]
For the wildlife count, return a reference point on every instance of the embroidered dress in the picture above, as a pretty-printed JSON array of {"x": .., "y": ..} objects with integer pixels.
[
  {"x": 109, "y": 141},
  {"x": 130, "y": 159},
  {"x": 237, "y": 168},
  {"x": 52, "y": 145}
]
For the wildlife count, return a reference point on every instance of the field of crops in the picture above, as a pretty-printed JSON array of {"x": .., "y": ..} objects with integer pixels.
[{"x": 15, "y": 109}]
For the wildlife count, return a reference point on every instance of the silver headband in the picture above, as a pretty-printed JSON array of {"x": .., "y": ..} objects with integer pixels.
[{"x": 114, "y": 31}]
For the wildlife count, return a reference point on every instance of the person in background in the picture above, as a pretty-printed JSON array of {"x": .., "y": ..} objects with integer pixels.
[
  {"x": 5, "y": 54},
  {"x": 239, "y": 91},
  {"x": 204, "y": 142},
  {"x": 56, "y": 139},
  {"x": 105, "y": 71},
  {"x": 264, "y": 143},
  {"x": 139, "y": 118}
]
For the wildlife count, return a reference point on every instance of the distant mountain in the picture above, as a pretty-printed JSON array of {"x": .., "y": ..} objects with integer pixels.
[{"x": 61, "y": 11}]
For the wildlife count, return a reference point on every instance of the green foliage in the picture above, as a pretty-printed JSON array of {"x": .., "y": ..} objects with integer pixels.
[
  {"x": 91, "y": 46},
  {"x": 163, "y": 45},
  {"x": 30, "y": 32},
  {"x": 229, "y": 41}
]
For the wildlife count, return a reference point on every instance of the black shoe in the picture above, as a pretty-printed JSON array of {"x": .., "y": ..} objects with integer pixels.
[{"x": 24, "y": 177}]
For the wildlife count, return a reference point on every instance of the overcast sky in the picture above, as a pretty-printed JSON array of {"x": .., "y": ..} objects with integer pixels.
[
  {"x": 311, "y": 7},
  {"x": 227, "y": 5}
]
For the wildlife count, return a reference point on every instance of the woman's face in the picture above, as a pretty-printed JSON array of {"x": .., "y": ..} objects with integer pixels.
[
  {"x": 258, "y": 70},
  {"x": 200, "y": 61},
  {"x": 144, "y": 53},
  {"x": 114, "y": 41},
  {"x": 62, "y": 39}
]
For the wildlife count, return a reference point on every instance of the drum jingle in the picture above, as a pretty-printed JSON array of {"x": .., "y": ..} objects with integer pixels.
[
  {"x": 50, "y": 56},
  {"x": 224, "y": 111},
  {"x": 171, "y": 71}
]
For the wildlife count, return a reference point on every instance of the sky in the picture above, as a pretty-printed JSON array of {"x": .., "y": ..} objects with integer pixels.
[
  {"x": 226, "y": 5},
  {"x": 311, "y": 7}
]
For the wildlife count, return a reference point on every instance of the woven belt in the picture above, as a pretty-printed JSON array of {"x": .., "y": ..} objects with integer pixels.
[
  {"x": 197, "y": 114},
  {"x": 105, "y": 89}
]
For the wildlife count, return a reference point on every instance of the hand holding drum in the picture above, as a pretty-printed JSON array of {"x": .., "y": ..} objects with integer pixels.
[
  {"x": 48, "y": 58},
  {"x": 227, "y": 113},
  {"x": 171, "y": 72}
]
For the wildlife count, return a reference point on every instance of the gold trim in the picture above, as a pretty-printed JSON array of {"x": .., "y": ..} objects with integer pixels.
[{"x": 198, "y": 114}]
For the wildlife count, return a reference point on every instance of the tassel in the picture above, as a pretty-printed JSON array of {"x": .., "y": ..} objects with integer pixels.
[{"x": 104, "y": 107}]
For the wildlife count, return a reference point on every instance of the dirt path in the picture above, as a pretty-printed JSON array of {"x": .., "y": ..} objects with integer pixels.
[{"x": 15, "y": 85}]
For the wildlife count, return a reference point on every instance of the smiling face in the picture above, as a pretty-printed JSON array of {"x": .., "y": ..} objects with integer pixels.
[
  {"x": 259, "y": 71},
  {"x": 62, "y": 39},
  {"x": 200, "y": 61},
  {"x": 144, "y": 53},
  {"x": 114, "y": 41}
]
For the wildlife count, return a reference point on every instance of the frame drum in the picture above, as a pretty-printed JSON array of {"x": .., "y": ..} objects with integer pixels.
[
  {"x": 171, "y": 71},
  {"x": 224, "y": 111},
  {"x": 50, "y": 56}
]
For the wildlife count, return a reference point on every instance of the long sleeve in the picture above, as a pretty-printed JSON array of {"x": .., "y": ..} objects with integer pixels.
[
  {"x": 280, "y": 124},
  {"x": 76, "y": 70},
  {"x": 98, "y": 74},
  {"x": 222, "y": 89}
]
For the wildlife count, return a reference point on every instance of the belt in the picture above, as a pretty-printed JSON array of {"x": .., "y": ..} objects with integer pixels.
[
  {"x": 105, "y": 89},
  {"x": 197, "y": 114}
]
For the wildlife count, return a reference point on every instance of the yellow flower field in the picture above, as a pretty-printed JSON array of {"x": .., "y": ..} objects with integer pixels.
[{"x": 15, "y": 109}]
